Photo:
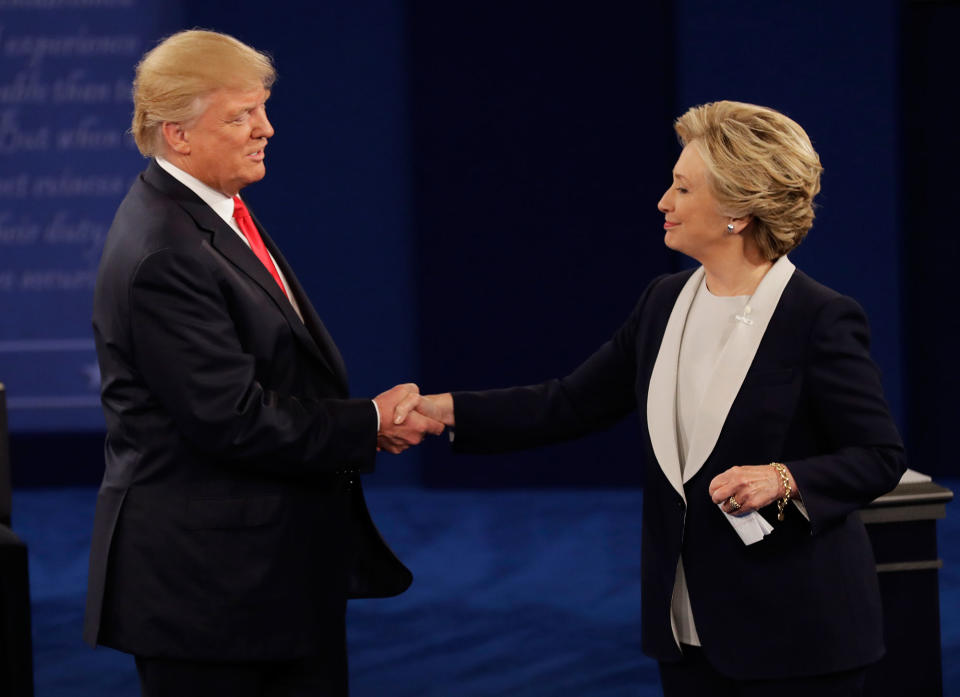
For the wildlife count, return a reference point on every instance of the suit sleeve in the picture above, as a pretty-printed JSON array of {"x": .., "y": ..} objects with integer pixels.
[
  {"x": 189, "y": 354},
  {"x": 600, "y": 392},
  {"x": 865, "y": 456}
]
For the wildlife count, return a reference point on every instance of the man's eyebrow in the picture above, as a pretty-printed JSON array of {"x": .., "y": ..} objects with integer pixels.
[
  {"x": 243, "y": 109},
  {"x": 252, "y": 104}
]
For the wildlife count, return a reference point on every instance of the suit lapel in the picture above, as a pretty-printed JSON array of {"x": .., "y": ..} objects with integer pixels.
[
  {"x": 227, "y": 243},
  {"x": 733, "y": 364},
  {"x": 662, "y": 391},
  {"x": 314, "y": 330}
]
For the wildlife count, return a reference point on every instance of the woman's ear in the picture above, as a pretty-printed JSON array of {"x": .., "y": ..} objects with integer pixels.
[{"x": 738, "y": 225}]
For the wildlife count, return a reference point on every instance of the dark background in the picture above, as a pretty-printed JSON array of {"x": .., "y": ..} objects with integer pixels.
[{"x": 468, "y": 191}]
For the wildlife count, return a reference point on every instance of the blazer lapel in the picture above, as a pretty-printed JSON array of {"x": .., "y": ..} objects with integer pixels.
[
  {"x": 733, "y": 364},
  {"x": 662, "y": 391}
]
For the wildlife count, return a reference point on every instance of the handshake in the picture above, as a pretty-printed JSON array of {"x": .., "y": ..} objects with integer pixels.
[{"x": 406, "y": 416}]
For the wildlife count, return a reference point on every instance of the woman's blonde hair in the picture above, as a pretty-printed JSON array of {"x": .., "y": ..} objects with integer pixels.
[
  {"x": 173, "y": 79},
  {"x": 759, "y": 163}
]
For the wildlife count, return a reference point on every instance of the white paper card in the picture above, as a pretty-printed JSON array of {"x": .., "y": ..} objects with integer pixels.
[{"x": 751, "y": 528}]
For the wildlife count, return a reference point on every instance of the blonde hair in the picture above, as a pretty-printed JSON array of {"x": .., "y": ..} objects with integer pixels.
[
  {"x": 759, "y": 163},
  {"x": 174, "y": 78}
]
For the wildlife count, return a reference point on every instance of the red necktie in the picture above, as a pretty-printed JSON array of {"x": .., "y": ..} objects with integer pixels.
[{"x": 249, "y": 230}]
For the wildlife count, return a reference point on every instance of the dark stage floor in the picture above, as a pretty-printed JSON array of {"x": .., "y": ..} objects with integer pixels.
[{"x": 521, "y": 593}]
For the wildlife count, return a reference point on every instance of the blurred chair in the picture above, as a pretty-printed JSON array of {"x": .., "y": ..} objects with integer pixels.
[{"x": 16, "y": 651}]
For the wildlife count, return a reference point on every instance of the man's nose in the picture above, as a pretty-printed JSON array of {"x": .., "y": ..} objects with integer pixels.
[{"x": 263, "y": 128}]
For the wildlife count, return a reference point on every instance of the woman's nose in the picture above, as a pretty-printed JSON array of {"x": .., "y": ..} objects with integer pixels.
[{"x": 663, "y": 205}]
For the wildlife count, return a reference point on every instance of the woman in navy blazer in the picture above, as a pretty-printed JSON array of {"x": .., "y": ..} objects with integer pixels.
[{"x": 763, "y": 421}]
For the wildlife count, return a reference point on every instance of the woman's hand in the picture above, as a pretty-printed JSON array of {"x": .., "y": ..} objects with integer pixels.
[
  {"x": 743, "y": 490},
  {"x": 436, "y": 406}
]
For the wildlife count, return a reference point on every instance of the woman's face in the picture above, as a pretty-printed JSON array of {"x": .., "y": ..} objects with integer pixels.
[{"x": 693, "y": 222}]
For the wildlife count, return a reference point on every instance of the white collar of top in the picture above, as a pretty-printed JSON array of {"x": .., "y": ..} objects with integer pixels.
[
  {"x": 732, "y": 367},
  {"x": 759, "y": 308}
]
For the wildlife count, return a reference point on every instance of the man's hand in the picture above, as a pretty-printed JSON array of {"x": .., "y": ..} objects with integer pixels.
[
  {"x": 396, "y": 436},
  {"x": 438, "y": 407}
]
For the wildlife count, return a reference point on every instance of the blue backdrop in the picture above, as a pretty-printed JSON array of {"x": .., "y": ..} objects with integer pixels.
[
  {"x": 65, "y": 163},
  {"x": 468, "y": 190}
]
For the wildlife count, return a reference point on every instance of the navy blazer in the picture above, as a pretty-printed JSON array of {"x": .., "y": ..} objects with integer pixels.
[
  {"x": 221, "y": 528},
  {"x": 804, "y": 600}
]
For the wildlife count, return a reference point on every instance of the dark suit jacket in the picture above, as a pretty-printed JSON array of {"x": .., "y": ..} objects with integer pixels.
[
  {"x": 805, "y": 599},
  {"x": 221, "y": 530}
]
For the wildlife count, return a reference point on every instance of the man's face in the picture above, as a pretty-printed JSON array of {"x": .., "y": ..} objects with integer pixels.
[{"x": 226, "y": 143}]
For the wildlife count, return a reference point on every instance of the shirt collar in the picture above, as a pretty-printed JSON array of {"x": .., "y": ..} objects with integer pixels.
[{"x": 221, "y": 204}]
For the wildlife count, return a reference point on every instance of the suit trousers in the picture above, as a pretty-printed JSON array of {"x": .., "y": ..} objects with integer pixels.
[
  {"x": 693, "y": 676},
  {"x": 323, "y": 675}
]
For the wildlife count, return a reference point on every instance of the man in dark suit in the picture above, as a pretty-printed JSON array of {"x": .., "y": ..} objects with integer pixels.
[{"x": 229, "y": 528}]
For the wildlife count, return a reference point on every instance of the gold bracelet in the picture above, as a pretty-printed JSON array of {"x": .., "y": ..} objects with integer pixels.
[{"x": 782, "y": 503}]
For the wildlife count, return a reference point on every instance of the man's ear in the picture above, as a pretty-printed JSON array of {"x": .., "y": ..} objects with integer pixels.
[{"x": 175, "y": 137}]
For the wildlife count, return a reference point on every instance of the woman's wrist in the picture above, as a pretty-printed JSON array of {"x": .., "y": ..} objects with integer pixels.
[
  {"x": 444, "y": 405},
  {"x": 787, "y": 488}
]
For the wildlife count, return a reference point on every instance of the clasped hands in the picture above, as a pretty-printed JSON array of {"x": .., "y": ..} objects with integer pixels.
[{"x": 406, "y": 417}]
